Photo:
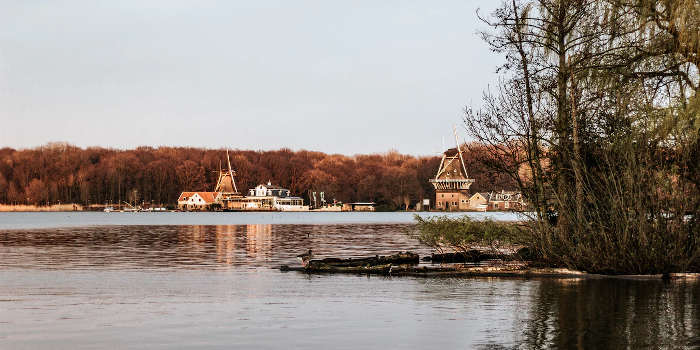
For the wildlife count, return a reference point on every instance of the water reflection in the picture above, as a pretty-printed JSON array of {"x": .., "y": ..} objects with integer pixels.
[
  {"x": 216, "y": 283},
  {"x": 198, "y": 246},
  {"x": 258, "y": 240},
  {"x": 225, "y": 244},
  {"x": 614, "y": 314}
]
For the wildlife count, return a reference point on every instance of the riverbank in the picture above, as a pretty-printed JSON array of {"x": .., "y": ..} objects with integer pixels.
[
  {"x": 460, "y": 270},
  {"x": 407, "y": 264},
  {"x": 40, "y": 208}
]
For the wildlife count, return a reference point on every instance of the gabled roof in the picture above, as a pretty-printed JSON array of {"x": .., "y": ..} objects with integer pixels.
[
  {"x": 208, "y": 197},
  {"x": 483, "y": 194},
  {"x": 185, "y": 195}
]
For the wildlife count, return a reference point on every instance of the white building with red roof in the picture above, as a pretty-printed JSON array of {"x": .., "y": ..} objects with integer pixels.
[{"x": 198, "y": 200}]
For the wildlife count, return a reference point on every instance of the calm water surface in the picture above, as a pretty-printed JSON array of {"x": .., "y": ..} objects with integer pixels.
[{"x": 76, "y": 281}]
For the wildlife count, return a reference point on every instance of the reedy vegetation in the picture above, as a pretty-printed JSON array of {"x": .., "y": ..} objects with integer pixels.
[
  {"x": 464, "y": 234},
  {"x": 596, "y": 119}
]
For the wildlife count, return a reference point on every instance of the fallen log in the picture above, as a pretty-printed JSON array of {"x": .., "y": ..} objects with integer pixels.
[
  {"x": 395, "y": 259},
  {"x": 324, "y": 268},
  {"x": 474, "y": 256},
  {"x": 522, "y": 271}
]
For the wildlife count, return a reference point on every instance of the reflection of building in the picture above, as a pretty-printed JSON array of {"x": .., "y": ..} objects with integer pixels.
[
  {"x": 258, "y": 240},
  {"x": 451, "y": 182},
  {"x": 194, "y": 236},
  {"x": 226, "y": 243},
  {"x": 198, "y": 200}
]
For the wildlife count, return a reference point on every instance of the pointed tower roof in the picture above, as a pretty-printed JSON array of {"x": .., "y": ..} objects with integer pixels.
[
  {"x": 452, "y": 173},
  {"x": 452, "y": 166},
  {"x": 226, "y": 182}
]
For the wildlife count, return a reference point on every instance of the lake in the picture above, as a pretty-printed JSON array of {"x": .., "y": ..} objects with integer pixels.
[{"x": 210, "y": 281}]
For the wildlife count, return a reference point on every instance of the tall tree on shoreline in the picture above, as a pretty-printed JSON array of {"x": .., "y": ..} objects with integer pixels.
[{"x": 598, "y": 104}]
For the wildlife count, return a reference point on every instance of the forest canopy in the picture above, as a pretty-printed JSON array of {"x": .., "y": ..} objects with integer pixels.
[{"x": 69, "y": 174}]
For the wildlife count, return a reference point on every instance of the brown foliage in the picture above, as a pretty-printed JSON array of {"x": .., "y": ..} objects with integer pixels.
[
  {"x": 61, "y": 172},
  {"x": 36, "y": 192}
]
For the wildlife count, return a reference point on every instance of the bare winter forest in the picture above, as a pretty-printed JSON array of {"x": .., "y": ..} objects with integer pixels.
[{"x": 64, "y": 173}]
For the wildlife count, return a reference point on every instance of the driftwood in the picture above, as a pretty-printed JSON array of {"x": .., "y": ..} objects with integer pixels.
[
  {"x": 324, "y": 268},
  {"x": 381, "y": 265},
  {"x": 522, "y": 271},
  {"x": 398, "y": 267},
  {"x": 395, "y": 259},
  {"x": 474, "y": 256}
]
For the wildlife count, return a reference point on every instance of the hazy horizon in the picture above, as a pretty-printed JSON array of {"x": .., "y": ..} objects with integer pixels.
[
  {"x": 346, "y": 78},
  {"x": 222, "y": 148}
]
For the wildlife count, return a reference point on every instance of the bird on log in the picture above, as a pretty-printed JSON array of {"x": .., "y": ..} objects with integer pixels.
[{"x": 305, "y": 258}]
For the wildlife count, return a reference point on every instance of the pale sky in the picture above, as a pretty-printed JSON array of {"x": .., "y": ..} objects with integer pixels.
[{"x": 334, "y": 76}]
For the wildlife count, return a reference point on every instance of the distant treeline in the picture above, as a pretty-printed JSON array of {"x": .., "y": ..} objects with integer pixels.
[{"x": 62, "y": 172}]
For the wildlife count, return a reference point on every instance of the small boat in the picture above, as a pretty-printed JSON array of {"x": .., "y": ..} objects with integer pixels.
[{"x": 108, "y": 209}]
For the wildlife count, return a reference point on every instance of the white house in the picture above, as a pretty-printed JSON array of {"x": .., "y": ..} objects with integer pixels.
[
  {"x": 270, "y": 197},
  {"x": 197, "y": 200}
]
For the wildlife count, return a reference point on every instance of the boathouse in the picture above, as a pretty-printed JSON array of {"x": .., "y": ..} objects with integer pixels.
[
  {"x": 359, "y": 206},
  {"x": 271, "y": 197}
]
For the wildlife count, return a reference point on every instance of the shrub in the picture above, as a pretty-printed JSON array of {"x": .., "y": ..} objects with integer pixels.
[{"x": 464, "y": 234}]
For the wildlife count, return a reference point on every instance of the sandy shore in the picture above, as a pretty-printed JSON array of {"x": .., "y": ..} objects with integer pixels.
[{"x": 39, "y": 208}]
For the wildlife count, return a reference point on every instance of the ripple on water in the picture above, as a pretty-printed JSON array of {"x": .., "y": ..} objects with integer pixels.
[{"x": 214, "y": 286}]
